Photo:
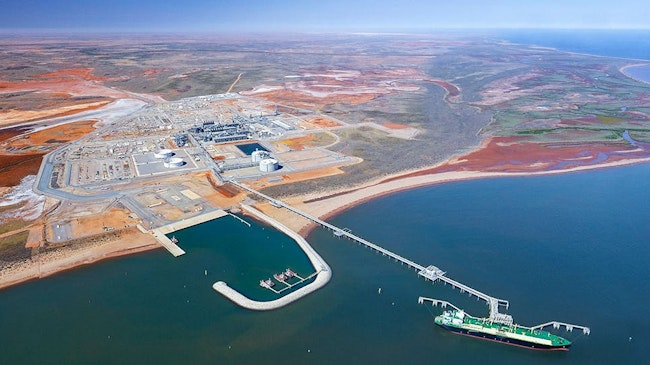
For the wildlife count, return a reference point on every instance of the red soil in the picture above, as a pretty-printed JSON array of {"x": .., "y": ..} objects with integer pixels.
[
  {"x": 395, "y": 126},
  {"x": 64, "y": 83},
  {"x": 323, "y": 122},
  {"x": 298, "y": 143},
  {"x": 51, "y": 137},
  {"x": 303, "y": 100},
  {"x": 15, "y": 168},
  {"x": 23, "y": 160},
  {"x": 82, "y": 73},
  {"x": 319, "y": 88},
  {"x": 451, "y": 89},
  {"x": 514, "y": 154},
  {"x": 8, "y": 133}
]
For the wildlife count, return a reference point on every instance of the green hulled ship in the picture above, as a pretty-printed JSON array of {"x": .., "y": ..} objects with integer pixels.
[{"x": 460, "y": 322}]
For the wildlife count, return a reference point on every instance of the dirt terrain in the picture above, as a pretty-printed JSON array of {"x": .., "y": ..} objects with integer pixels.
[
  {"x": 413, "y": 111},
  {"x": 21, "y": 152}
]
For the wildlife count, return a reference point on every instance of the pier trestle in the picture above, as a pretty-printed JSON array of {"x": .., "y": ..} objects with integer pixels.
[
  {"x": 557, "y": 325},
  {"x": 430, "y": 272}
]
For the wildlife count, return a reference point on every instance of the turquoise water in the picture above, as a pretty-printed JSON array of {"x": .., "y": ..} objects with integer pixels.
[{"x": 571, "y": 247}]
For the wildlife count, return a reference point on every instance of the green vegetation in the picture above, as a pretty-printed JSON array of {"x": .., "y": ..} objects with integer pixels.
[
  {"x": 609, "y": 119},
  {"x": 13, "y": 225},
  {"x": 322, "y": 139},
  {"x": 12, "y": 248}
]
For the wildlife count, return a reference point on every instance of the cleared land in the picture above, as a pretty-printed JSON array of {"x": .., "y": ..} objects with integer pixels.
[{"x": 353, "y": 117}]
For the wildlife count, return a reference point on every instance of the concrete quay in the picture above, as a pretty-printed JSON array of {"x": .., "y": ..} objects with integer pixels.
[
  {"x": 160, "y": 232},
  {"x": 189, "y": 222},
  {"x": 323, "y": 270},
  {"x": 167, "y": 243}
]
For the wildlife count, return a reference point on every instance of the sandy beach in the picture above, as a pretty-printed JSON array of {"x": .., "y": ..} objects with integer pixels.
[
  {"x": 65, "y": 258},
  {"x": 625, "y": 71},
  {"x": 322, "y": 204},
  {"x": 338, "y": 201}
]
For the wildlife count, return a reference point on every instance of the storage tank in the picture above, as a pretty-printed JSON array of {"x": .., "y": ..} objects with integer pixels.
[
  {"x": 259, "y": 155},
  {"x": 164, "y": 153},
  {"x": 173, "y": 162},
  {"x": 269, "y": 165}
]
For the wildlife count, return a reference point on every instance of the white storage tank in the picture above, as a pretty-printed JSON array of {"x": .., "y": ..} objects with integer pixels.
[
  {"x": 269, "y": 165},
  {"x": 164, "y": 153},
  {"x": 173, "y": 162},
  {"x": 259, "y": 155}
]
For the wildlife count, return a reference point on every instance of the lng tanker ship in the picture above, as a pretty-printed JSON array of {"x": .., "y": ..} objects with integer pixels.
[
  {"x": 499, "y": 327},
  {"x": 460, "y": 322}
]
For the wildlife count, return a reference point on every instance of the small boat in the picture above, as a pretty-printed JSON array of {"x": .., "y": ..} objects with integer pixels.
[
  {"x": 289, "y": 274},
  {"x": 174, "y": 240},
  {"x": 268, "y": 283}
]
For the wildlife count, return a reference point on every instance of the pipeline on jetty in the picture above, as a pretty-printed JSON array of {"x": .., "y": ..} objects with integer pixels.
[{"x": 430, "y": 272}]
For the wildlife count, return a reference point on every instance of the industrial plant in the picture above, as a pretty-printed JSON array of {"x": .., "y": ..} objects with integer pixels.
[{"x": 228, "y": 134}]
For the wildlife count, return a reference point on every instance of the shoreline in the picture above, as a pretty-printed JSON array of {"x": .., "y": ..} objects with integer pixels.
[
  {"x": 55, "y": 262},
  {"x": 624, "y": 68},
  {"x": 344, "y": 199},
  {"x": 324, "y": 206},
  {"x": 28, "y": 270}
]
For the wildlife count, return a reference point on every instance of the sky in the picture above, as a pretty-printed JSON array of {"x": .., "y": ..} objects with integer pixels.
[{"x": 318, "y": 15}]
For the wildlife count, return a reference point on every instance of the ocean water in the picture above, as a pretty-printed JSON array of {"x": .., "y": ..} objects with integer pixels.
[
  {"x": 639, "y": 72},
  {"x": 571, "y": 247},
  {"x": 634, "y": 44}
]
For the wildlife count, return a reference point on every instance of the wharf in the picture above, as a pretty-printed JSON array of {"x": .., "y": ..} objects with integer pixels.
[
  {"x": 167, "y": 243},
  {"x": 430, "y": 272},
  {"x": 160, "y": 232},
  {"x": 193, "y": 221},
  {"x": 323, "y": 272}
]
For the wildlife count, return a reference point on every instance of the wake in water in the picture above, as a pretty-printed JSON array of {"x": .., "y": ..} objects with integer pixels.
[{"x": 30, "y": 205}]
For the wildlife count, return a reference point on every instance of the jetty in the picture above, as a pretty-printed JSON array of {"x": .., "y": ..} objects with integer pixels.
[
  {"x": 193, "y": 221},
  {"x": 430, "y": 273},
  {"x": 168, "y": 244},
  {"x": 171, "y": 246}
]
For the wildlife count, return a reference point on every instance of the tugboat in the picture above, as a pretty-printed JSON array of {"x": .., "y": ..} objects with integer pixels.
[
  {"x": 268, "y": 283},
  {"x": 288, "y": 273}
]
